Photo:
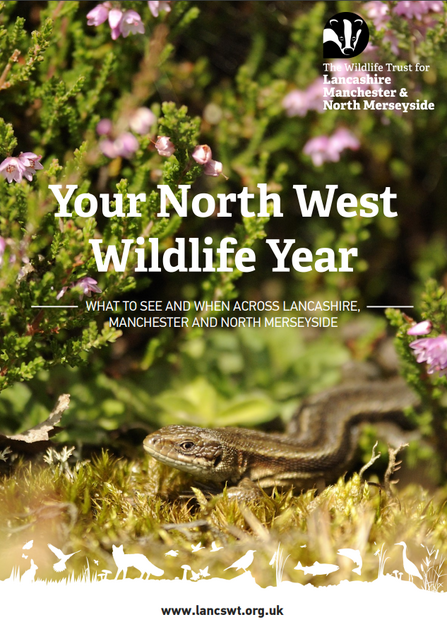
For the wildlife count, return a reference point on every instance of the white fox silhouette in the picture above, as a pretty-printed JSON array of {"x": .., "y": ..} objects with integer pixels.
[{"x": 134, "y": 560}]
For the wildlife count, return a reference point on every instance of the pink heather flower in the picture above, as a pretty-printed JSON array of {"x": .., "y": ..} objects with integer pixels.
[
  {"x": 105, "y": 126},
  {"x": 12, "y": 169},
  {"x": 408, "y": 11},
  {"x": 115, "y": 17},
  {"x": 155, "y": 7},
  {"x": 2, "y": 249},
  {"x": 422, "y": 328},
  {"x": 295, "y": 103},
  {"x": 342, "y": 139},
  {"x": 31, "y": 163},
  {"x": 164, "y": 146},
  {"x": 108, "y": 148},
  {"x": 98, "y": 15},
  {"x": 121, "y": 23},
  {"x": 378, "y": 13},
  {"x": 437, "y": 6},
  {"x": 416, "y": 10},
  {"x": 202, "y": 154},
  {"x": 432, "y": 351},
  {"x": 87, "y": 284},
  {"x": 131, "y": 23},
  {"x": 319, "y": 150},
  {"x": 299, "y": 102},
  {"x": 324, "y": 149},
  {"x": 126, "y": 145},
  {"x": 24, "y": 165},
  {"x": 213, "y": 168},
  {"x": 142, "y": 120}
]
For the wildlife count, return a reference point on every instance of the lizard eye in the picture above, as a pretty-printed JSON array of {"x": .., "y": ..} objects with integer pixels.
[{"x": 187, "y": 445}]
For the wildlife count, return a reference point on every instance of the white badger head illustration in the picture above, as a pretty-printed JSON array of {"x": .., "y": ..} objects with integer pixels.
[{"x": 344, "y": 33}]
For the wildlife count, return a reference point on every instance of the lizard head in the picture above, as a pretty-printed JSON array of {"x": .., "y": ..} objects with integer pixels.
[{"x": 192, "y": 449}]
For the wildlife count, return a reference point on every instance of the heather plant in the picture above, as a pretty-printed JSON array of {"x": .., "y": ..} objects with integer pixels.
[
  {"x": 422, "y": 351},
  {"x": 45, "y": 258}
]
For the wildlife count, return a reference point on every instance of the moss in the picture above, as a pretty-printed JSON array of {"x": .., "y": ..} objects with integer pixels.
[{"x": 89, "y": 506}]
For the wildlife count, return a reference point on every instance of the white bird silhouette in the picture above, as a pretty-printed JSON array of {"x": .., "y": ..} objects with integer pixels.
[
  {"x": 317, "y": 569},
  {"x": 60, "y": 566},
  {"x": 409, "y": 566},
  {"x": 353, "y": 555},
  {"x": 196, "y": 547},
  {"x": 204, "y": 573},
  {"x": 244, "y": 562},
  {"x": 171, "y": 553},
  {"x": 215, "y": 548},
  {"x": 29, "y": 575},
  {"x": 28, "y": 545}
]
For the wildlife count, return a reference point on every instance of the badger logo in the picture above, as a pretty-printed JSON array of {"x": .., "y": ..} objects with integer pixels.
[{"x": 345, "y": 35}]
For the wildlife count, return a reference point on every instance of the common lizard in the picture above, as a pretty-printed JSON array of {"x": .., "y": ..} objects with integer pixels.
[{"x": 319, "y": 446}]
